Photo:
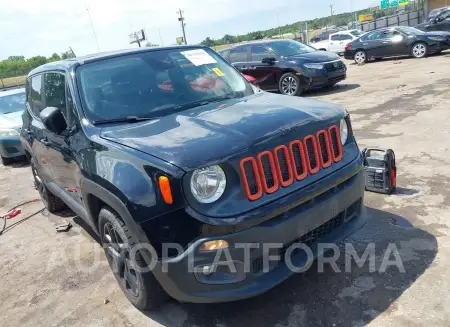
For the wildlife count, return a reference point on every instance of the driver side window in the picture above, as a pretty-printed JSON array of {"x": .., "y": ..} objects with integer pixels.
[
  {"x": 443, "y": 16},
  {"x": 258, "y": 53}
]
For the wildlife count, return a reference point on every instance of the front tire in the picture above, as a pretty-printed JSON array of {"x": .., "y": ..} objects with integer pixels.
[
  {"x": 289, "y": 84},
  {"x": 141, "y": 288},
  {"x": 51, "y": 202},
  {"x": 419, "y": 50},
  {"x": 6, "y": 161},
  {"x": 360, "y": 57}
]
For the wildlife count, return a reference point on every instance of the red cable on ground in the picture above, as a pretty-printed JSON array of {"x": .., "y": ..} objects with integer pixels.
[{"x": 15, "y": 211}]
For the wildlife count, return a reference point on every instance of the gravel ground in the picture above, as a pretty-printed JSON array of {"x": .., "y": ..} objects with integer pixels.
[{"x": 50, "y": 279}]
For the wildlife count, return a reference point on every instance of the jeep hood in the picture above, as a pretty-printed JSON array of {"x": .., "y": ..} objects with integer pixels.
[
  {"x": 11, "y": 120},
  {"x": 217, "y": 132}
]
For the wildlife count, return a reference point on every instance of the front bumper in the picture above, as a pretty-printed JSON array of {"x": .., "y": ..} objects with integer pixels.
[
  {"x": 10, "y": 147},
  {"x": 322, "y": 77},
  {"x": 334, "y": 213}
]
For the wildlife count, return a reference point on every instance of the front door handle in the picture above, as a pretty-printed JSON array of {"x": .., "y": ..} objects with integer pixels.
[
  {"x": 45, "y": 141},
  {"x": 29, "y": 131},
  {"x": 385, "y": 42}
]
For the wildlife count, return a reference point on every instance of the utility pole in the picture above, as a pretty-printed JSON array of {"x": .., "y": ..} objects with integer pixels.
[
  {"x": 332, "y": 13},
  {"x": 278, "y": 22},
  {"x": 183, "y": 24},
  {"x": 160, "y": 38}
]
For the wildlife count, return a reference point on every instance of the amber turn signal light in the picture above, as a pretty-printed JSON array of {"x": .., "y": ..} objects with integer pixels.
[
  {"x": 164, "y": 186},
  {"x": 214, "y": 245}
]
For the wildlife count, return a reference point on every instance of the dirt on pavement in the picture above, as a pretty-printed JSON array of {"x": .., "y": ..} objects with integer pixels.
[{"x": 62, "y": 279}]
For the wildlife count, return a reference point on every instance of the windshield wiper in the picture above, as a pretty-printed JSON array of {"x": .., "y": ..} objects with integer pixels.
[
  {"x": 129, "y": 119},
  {"x": 134, "y": 119}
]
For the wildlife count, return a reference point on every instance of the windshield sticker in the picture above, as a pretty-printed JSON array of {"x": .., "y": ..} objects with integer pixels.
[
  {"x": 218, "y": 72},
  {"x": 198, "y": 57}
]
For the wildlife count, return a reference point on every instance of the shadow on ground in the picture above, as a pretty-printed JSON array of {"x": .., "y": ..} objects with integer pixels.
[
  {"x": 352, "y": 297},
  {"x": 338, "y": 88}
]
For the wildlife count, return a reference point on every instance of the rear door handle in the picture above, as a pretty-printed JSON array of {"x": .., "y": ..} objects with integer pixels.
[
  {"x": 46, "y": 142},
  {"x": 385, "y": 41}
]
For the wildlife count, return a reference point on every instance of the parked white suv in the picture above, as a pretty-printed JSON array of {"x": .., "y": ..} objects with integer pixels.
[{"x": 337, "y": 41}]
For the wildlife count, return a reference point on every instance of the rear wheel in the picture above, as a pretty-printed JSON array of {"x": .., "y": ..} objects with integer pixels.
[
  {"x": 51, "y": 202},
  {"x": 140, "y": 286},
  {"x": 419, "y": 50},
  {"x": 290, "y": 85},
  {"x": 360, "y": 57},
  {"x": 6, "y": 161}
]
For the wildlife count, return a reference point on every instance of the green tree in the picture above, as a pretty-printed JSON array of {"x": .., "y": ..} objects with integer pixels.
[{"x": 208, "y": 42}]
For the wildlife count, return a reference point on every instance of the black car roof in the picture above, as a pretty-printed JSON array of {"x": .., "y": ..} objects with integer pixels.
[
  {"x": 260, "y": 42},
  {"x": 68, "y": 63}
]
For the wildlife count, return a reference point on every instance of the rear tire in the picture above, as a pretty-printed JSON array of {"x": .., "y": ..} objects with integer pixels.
[
  {"x": 360, "y": 57},
  {"x": 7, "y": 161},
  {"x": 141, "y": 288},
  {"x": 419, "y": 50},
  {"x": 289, "y": 84},
  {"x": 51, "y": 202}
]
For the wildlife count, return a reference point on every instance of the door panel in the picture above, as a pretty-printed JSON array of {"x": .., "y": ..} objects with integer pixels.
[
  {"x": 264, "y": 73},
  {"x": 59, "y": 154}
]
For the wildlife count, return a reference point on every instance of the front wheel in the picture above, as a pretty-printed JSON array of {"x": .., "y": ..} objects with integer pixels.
[
  {"x": 6, "y": 161},
  {"x": 360, "y": 57},
  {"x": 129, "y": 268},
  {"x": 419, "y": 50},
  {"x": 290, "y": 85}
]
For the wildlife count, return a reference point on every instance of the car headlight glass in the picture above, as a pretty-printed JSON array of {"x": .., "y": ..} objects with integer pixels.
[
  {"x": 436, "y": 38},
  {"x": 343, "y": 131},
  {"x": 313, "y": 66},
  {"x": 208, "y": 184},
  {"x": 8, "y": 132}
]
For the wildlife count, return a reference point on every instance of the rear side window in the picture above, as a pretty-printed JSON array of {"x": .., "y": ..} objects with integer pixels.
[
  {"x": 336, "y": 37},
  {"x": 346, "y": 37},
  {"x": 238, "y": 55},
  {"x": 55, "y": 94},
  {"x": 36, "y": 95},
  {"x": 225, "y": 54}
]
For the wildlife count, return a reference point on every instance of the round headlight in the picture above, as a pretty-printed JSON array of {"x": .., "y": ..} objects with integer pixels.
[
  {"x": 208, "y": 184},
  {"x": 343, "y": 131}
]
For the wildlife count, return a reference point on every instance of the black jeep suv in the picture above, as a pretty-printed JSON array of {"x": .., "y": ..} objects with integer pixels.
[{"x": 174, "y": 159}]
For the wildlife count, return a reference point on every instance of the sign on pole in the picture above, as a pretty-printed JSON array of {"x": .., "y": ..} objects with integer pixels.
[
  {"x": 180, "y": 40},
  {"x": 403, "y": 2},
  {"x": 394, "y": 3},
  {"x": 385, "y": 4},
  {"x": 365, "y": 18}
]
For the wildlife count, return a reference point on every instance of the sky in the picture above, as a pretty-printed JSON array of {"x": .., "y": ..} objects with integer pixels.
[{"x": 43, "y": 27}]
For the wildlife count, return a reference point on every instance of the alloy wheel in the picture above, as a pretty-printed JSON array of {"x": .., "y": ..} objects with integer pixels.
[
  {"x": 419, "y": 50},
  {"x": 118, "y": 256},
  {"x": 289, "y": 85},
  {"x": 360, "y": 57}
]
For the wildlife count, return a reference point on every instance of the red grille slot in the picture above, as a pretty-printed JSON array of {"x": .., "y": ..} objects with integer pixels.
[
  {"x": 253, "y": 189},
  {"x": 312, "y": 154},
  {"x": 298, "y": 160},
  {"x": 286, "y": 164},
  {"x": 267, "y": 169},
  {"x": 335, "y": 143},
  {"x": 324, "y": 148},
  {"x": 284, "y": 168}
]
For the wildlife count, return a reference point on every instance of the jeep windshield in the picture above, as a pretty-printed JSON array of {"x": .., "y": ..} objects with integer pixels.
[{"x": 155, "y": 83}]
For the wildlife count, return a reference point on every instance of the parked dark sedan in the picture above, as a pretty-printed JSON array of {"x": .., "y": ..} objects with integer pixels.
[
  {"x": 287, "y": 66},
  {"x": 396, "y": 41},
  {"x": 439, "y": 22}
]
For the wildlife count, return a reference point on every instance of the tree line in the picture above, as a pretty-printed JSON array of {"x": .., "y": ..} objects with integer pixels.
[
  {"x": 18, "y": 65},
  {"x": 337, "y": 20}
]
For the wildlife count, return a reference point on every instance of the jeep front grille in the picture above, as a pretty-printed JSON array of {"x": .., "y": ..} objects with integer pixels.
[{"x": 281, "y": 167}]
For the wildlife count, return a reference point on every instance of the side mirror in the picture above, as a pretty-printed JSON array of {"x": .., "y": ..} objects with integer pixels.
[
  {"x": 269, "y": 61},
  {"x": 53, "y": 120}
]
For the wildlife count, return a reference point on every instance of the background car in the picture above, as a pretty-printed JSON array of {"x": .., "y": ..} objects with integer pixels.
[
  {"x": 12, "y": 104},
  {"x": 287, "y": 66},
  {"x": 396, "y": 41},
  {"x": 433, "y": 13},
  {"x": 337, "y": 41},
  {"x": 439, "y": 22}
]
